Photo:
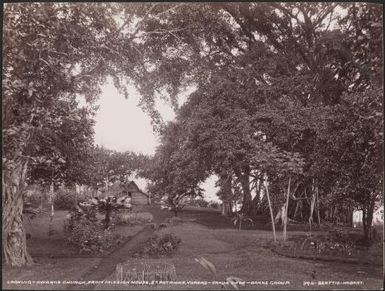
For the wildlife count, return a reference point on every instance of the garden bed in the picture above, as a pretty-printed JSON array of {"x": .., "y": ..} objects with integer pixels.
[
  {"x": 57, "y": 248},
  {"x": 42, "y": 245},
  {"x": 335, "y": 246}
]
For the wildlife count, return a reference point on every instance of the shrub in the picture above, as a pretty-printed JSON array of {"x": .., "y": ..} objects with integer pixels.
[
  {"x": 34, "y": 196},
  {"x": 199, "y": 202},
  {"x": 66, "y": 199},
  {"x": 87, "y": 233},
  {"x": 159, "y": 246},
  {"x": 213, "y": 204}
]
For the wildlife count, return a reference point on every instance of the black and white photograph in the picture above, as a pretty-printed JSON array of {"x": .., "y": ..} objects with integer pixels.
[{"x": 192, "y": 146}]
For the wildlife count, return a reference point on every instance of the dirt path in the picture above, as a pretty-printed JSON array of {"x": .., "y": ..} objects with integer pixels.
[{"x": 107, "y": 265}]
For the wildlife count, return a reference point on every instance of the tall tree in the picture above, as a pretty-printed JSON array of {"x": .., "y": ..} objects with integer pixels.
[
  {"x": 175, "y": 172},
  {"x": 62, "y": 151},
  {"x": 49, "y": 50},
  {"x": 295, "y": 54},
  {"x": 108, "y": 166},
  {"x": 300, "y": 57}
]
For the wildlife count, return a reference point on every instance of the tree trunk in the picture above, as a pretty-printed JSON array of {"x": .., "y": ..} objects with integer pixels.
[
  {"x": 52, "y": 205},
  {"x": 364, "y": 221},
  {"x": 280, "y": 214},
  {"x": 351, "y": 211},
  {"x": 107, "y": 219},
  {"x": 312, "y": 204},
  {"x": 271, "y": 211},
  {"x": 14, "y": 236},
  {"x": 107, "y": 182},
  {"x": 244, "y": 178},
  {"x": 317, "y": 199},
  {"x": 226, "y": 208},
  {"x": 263, "y": 203},
  {"x": 257, "y": 197},
  {"x": 226, "y": 195},
  {"x": 285, "y": 218},
  {"x": 296, "y": 209},
  {"x": 255, "y": 204},
  {"x": 367, "y": 219}
]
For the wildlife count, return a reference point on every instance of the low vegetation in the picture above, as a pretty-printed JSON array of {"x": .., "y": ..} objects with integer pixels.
[
  {"x": 125, "y": 217},
  {"x": 86, "y": 232},
  {"x": 66, "y": 199},
  {"x": 160, "y": 245},
  {"x": 341, "y": 245},
  {"x": 87, "y": 235},
  {"x": 203, "y": 233}
]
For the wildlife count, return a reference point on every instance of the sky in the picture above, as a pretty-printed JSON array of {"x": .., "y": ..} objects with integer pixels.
[{"x": 121, "y": 125}]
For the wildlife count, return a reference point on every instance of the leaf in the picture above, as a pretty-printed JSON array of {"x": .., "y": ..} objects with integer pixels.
[
  {"x": 376, "y": 24},
  {"x": 206, "y": 264}
]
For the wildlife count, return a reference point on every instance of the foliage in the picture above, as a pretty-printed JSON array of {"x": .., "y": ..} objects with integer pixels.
[
  {"x": 174, "y": 204},
  {"x": 241, "y": 218},
  {"x": 160, "y": 245},
  {"x": 200, "y": 202},
  {"x": 35, "y": 196},
  {"x": 108, "y": 166},
  {"x": 85, "y": 231},
  {"x": 88, "y": 235},
  {"x": 43, "y": 74},
  {"x": 275, "y": 89},
  {"x": 337, "y": 243},
  {"x": 66, "y": 199},
  {"x": 175, "y": 174},
  {"x": 214, "y": 204},
  {"x": 63, "y": 151},
  {"x": 132, "y": 218},
  {"x": 108, "y": 206},
  {"x": 53, "y": 53},
  {"x": 245, "y": 60}
]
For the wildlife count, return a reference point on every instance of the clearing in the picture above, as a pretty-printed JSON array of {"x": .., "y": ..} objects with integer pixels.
[{"x": 204, "y": 233}]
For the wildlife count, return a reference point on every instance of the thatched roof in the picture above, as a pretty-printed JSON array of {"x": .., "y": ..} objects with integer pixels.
[{"x": 129, "y": 187}]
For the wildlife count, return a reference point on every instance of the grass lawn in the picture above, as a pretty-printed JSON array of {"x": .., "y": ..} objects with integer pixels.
[
  {"x": 243, "y": 254},
  {"x": 43, "y": 245}
]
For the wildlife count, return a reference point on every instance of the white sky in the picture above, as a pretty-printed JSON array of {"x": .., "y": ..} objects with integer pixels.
[{"x": 121, "y": 125}]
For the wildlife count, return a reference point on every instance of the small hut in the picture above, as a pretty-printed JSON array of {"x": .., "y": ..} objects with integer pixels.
[{"x": 138, "y": 197}]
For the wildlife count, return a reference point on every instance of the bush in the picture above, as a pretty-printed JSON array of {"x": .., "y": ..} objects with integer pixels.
[
  {"x": 159, "y": 246},
  {"x": 213, "y": 204},
  {"x": 199, "y": 202},
  {"x": 34, "y": 196},
  {"x": 87, "y": 233},
  {"x": 66, "y": 199}
]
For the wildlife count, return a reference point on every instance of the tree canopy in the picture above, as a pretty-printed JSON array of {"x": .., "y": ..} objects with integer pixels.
[
  {"x": 277, "y": 90},
  {"x": 282, "y": 90}
]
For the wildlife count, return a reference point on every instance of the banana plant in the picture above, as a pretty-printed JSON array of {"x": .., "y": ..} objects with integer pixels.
[{"x": 240, "y": 218}]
